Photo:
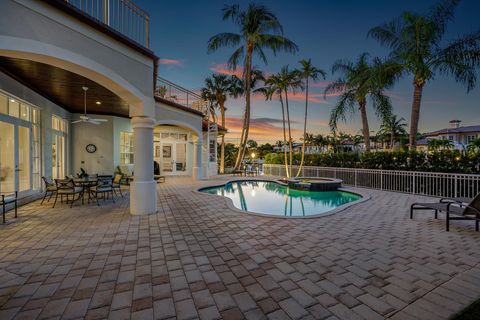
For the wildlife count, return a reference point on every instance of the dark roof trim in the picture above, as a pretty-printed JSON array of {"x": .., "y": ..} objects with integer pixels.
[
  {"x": 466, "y": 129},
  {"x": 178, "y": 106},
  {"x": 82, "y": 16}
]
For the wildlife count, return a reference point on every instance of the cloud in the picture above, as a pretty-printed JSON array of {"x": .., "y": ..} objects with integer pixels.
[
  {"x": 170, "y": 62},
  {"x": 319, "y": 84},
  {"x": 224, "y": 69},
  {"x": 260, "y": 128}
]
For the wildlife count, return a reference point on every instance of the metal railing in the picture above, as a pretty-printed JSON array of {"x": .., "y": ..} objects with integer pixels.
[
  {"x": 121, "y": 15},
  {"x": 422, "y": 183},
  {"x": 170, "y": 91}
]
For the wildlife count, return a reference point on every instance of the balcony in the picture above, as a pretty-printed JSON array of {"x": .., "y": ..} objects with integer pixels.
[
  {"x": 122, "y": 16},
  {"x": 174, "y": 93}
]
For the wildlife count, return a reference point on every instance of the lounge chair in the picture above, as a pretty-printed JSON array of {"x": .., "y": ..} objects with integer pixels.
[
  {"x": 8, "y": 198},
  {"x": 459, "y": 209}
]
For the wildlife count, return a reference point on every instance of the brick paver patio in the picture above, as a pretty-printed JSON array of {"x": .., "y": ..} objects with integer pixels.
[{"x": 198, "y": 259}]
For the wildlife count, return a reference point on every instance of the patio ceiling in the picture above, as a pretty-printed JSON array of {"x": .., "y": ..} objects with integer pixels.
[{"x": 64, "y": 87}]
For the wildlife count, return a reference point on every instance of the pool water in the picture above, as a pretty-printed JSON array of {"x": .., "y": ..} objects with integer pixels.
[{"x": 269, "y": 197}]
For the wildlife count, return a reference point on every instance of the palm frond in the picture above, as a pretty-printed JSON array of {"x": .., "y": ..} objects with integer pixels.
[
  {"x": 343, "y": 107},
  {"x": 461, "y": 58},
  {"x": 225, "y": 39},
  {"x": 235, "y": 57}
]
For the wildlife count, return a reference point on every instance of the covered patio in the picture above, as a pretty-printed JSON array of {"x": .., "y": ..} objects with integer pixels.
[{"x": 196, "y": 258}]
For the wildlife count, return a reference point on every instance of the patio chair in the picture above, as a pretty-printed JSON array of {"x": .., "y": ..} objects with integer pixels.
[
  {"x": 117, "y": 179},
  {"x": 8, "y": 198},
  {"x": 67, "y": 187},
  {"x": 104, "y": 188},
  {"x": 50, "y": 187},
  {"x": 458, "y": 209}
]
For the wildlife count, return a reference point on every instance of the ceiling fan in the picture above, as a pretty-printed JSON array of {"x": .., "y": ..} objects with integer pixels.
[{"x": 85, "y": 118}]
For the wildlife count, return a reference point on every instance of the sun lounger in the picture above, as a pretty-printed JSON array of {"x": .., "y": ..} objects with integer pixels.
[{"x": 458, "y": 208}]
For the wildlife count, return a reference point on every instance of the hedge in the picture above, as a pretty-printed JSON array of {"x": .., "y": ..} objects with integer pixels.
[{"x": 451, "y": 161}]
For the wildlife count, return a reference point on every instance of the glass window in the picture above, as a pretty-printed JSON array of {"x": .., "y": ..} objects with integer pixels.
[
  {"x": 126, "y": 147},
  {"x": 3, "y": 104},
  {"x": 24, "y": 112},
  {"x": 59, "y": 124},
  {"x": 13, "y": 108}
]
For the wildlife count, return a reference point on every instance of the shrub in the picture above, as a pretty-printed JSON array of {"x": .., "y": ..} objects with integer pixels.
[{"x": 449, "y": 161}]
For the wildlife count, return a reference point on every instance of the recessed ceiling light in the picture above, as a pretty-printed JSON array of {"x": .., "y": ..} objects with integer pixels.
[
  {"x": 98, "y": 102},
  {"x": 12, "y": 100}
]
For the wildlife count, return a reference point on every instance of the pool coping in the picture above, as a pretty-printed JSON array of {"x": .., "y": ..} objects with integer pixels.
[{"x": 231, "y": 206}]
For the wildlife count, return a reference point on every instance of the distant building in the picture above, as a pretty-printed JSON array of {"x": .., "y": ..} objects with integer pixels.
[{"x": 459, "y": 135}]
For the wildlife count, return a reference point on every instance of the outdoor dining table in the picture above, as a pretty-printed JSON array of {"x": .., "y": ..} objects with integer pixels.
[{"x": 86, "y": 184}]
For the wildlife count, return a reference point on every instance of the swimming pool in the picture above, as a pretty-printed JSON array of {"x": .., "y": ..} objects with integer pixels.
[{"x": 272, "y": 198}]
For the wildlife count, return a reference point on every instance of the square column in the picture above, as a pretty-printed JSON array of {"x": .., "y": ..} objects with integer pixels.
[{"x": 143, "y": 189}]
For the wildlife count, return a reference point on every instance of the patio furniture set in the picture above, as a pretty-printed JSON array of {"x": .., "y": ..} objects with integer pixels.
[{"x": 90, "y": 188}]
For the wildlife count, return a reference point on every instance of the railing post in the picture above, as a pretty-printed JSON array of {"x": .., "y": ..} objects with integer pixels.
[
  {"x": 147, "y": 31},
  {"x": 106, "y": 12},
  {"x": 381, "y": 179},
  {"x": 356, "y": 172},
  {"x": 414, "y": 188},
  {"x": 455, "y": 188}
]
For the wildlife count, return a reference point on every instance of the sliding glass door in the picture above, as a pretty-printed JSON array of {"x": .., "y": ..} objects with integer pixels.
[
  {"x": 15, "y": 157},
  {"x": 7, "y": 157},
  {"x": 58, "y": 156}
]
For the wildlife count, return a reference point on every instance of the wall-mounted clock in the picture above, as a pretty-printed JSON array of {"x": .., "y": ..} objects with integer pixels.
[{"x": 91, "y": 148}]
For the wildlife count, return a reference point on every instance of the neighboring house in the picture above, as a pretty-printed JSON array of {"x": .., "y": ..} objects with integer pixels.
[
  {"x": 49, "y": 50},
  {"x": 460, "y": 136}
]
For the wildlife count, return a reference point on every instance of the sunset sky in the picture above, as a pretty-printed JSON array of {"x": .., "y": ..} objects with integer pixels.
[{"x": 324, "y": 31}]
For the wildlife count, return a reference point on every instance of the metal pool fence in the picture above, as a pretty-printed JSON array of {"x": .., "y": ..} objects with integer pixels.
[{"x": 415, "y": 182}]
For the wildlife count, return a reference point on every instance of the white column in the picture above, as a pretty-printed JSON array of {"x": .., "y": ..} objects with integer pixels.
[
  {"x": 197, "y": 161},
  {"x": 143, "y": 189}
]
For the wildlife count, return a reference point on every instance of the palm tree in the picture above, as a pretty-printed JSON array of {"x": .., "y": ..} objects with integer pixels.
[
  {"x": 259, "y": 30},
  {"x": 393, "y": 127},
  {"x": 361, "y": 80},
  {"x": 289, "y": 82},
  {"x": 474, "y": 145},
  {"x": 439, "y": 144},
  {"x": 218, "y": 87},
  {"x": 418, "y": 48},
  {"x": 307, "y": 72},
  {"x": 274, "y": 85}
]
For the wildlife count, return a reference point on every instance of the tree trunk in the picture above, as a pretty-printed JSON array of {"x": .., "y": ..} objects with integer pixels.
[
  {"x": 366, "y": 131},
  {"x": 392, "y": 140},
  {"x": 222, "y": 146},
  {"x": 246, "y": 122},
  {"x": 304, "y": 128},
  {"x": 290, "y": 145},
  {"x": 415, "y": 117},
  {"x": 284, "y": 137}
]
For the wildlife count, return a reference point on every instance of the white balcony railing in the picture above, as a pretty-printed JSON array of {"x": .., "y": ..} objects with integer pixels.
[
  {"x": 422, "y": 183},
  {"x": 121, "y": 15},
  {"x": 173, "y": 92}
]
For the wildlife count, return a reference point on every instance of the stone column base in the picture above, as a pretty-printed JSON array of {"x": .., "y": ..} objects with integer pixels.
[
  {"x": 197, "y": 173},
  {"x": 143, "y": 197}
]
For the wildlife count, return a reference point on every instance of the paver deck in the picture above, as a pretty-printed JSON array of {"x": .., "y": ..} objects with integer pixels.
[{"x": 196, "y": 258}]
